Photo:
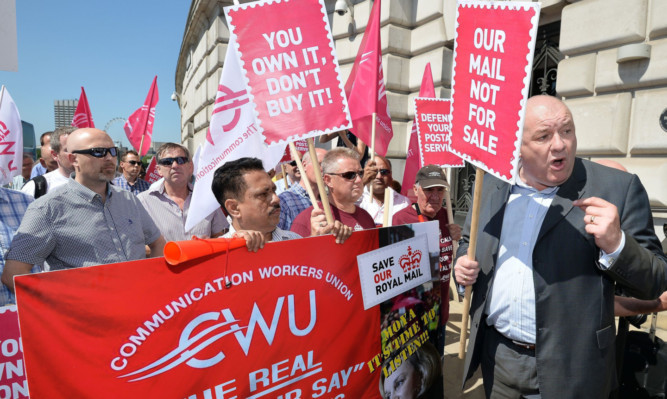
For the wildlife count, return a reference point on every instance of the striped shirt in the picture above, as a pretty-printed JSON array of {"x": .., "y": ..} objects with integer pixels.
[
  {"x": 72, "y": 227},
  {"x": 12, "y": 208},
  {"x": 170, "y": 218},
  {"x": 139, "y": 185},
  {"x": 292, "y": 203},
  {"x": 276, "y": 235}
]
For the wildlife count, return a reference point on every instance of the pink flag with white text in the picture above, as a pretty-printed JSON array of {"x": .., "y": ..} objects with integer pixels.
[
  {"x": 139, "y": 126},
  {"x": 365, "y": 89},
  {"x": 412, "y": 159},
  {"x": 82, "y": 116},
  {"x": 11, "y": 138}
]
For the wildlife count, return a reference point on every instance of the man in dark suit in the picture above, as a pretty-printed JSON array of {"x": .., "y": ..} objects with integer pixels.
[{"x": 549, "y": 251}]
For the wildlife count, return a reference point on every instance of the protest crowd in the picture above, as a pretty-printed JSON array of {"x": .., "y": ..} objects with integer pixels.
[
  {"x": 547, "y": 262},
  {"x": 92, "y": 213}
]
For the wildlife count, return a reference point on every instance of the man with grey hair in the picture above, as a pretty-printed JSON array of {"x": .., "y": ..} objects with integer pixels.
[
  {"x": 342, "y": 175},
  {"x": 85, "y": 222},
  {"x": 168, "y": 201},
  {"x": 56, "y": 178}
]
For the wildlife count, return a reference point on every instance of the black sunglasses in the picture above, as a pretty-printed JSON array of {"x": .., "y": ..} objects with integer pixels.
[
  {"x": 385, "y": 172},
  {"x": 134, "y": 163},
  {"x": 292, "y": 163},
  {"x": 351, "y": 175},
  {"x": 169, "y": 161},
  {"x": 98, "y": 152}
]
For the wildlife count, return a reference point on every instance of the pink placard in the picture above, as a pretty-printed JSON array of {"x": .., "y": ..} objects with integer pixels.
[
  {"x": 493, "y": 56},
  {"x": 434, "y": 132},
  {"x": 13, "y": 382},
  {"x": 287, "y": 56}
]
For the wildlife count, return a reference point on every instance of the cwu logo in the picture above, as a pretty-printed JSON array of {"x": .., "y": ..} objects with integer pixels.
[{"x": 208, "y": 329}]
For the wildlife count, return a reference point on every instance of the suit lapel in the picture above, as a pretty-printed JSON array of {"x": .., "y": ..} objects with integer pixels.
[{"x": 572, "y": 189}]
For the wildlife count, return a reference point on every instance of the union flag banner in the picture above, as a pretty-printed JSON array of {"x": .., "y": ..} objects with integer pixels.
[
  {"x": 82, "y": 116},
  {"x": 11, "y": 138},
  {"x": 139, "y": 126},
  {"x": 285, "y": 322}
]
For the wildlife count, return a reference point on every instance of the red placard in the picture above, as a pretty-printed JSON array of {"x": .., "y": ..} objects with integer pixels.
[
  {"x": 287, "y": 55},
  {"x": 434, "y": 132},
  {"x": 290, "y": 324},
  {"x": 151, "y": 171},
  {"x": 301, "y": 147},
  {"x": 493, "y": 56},
  {"x": 13, "y": 383}
]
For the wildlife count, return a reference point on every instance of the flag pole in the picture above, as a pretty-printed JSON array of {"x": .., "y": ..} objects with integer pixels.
[
  {"x": 472, "y": 247},
  {"x": 320, "y": 182},
  {"x": 299, "y": 165},
  {"x": 2, "y": 93},
  {"x": 371, "y": 156},
  {"x": 141, "y": 145}
]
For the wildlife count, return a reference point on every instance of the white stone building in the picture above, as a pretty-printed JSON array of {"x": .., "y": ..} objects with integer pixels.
[{"x": 606, "y": 58}]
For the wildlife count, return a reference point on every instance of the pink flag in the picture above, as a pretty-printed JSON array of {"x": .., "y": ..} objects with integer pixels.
[
  {"x": 365, "y": 89},
  {"x": 412, "y": 159},
  {"x": 11, "y": 138},
  {"x": 82, "y": 116},
  {"x": 139, "y": 126}
]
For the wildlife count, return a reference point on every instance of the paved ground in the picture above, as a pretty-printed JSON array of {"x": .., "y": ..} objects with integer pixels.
[{"x": 453, "y": 367}]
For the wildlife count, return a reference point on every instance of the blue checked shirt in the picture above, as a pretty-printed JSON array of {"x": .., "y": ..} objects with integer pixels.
[
  {"x": 292, "y": 202},
  {"x": 12, "y": 207},
  {"x": 138, "y": 187}
]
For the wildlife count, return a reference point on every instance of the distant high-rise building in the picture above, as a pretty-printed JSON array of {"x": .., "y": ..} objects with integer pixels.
[{"x": 63, "y": 111}]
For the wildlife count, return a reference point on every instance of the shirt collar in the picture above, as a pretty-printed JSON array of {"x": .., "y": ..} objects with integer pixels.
[{"x": 84, "y": 192}]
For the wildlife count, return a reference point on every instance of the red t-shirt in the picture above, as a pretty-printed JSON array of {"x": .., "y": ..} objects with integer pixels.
[
  {"x": 409, "y": 215},
  {"x": 359, "y": 220}
]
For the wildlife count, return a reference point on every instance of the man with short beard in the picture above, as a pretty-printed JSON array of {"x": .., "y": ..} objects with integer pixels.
[{"x": 85, "y": 222}]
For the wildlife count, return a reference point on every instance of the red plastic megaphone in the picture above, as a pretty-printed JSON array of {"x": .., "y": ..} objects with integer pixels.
[{"x": 176, "y": 252}]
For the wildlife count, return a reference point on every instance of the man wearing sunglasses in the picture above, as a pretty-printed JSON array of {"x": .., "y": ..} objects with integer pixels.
[
  {"x": 60, "y": 175},
  {"x": 168, "y": 201},
  {"x": 292, "y": 175},
  {"x": 372, "y": 201},
  {"x": 85, "y": 222},
  {"x": 130, "y": 166},
  {"x": 342, "y": 175}
]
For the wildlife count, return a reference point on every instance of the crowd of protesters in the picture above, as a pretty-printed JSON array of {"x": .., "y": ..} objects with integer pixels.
[{"x": 560, "y": 237}]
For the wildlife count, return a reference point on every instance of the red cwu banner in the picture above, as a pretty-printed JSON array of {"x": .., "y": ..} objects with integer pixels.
[{"x": 281, "y": 323}]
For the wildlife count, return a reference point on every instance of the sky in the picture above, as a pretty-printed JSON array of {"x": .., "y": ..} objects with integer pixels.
[{"x": 111, "y": 48}]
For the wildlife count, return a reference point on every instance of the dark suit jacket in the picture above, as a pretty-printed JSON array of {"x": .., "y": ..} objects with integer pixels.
[{"x": 574, "y": 299}]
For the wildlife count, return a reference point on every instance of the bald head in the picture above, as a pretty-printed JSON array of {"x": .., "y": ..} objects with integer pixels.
[
  {"x": 549, "y": 143},
  {"x": 82, "y": 139}
]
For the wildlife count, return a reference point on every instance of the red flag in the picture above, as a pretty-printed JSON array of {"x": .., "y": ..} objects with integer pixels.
[
  {"x": 412, "y": 159},
  {"x": 82, "y": 115},
  {"x": 139, "y": 126},
  {"x": 365, "y": 88}
]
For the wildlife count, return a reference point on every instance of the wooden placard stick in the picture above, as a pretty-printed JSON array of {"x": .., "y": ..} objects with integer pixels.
[
  {"x": 388, "y": 205},
  {"x": 472, "y": 247},
  {"x": 299, "y": 164},
  {"x": 282, "y": 169},
  {"x": 320, "y": 182}
]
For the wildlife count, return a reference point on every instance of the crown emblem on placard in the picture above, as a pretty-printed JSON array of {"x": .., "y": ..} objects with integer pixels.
[{"x": 411, "y": 260}]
